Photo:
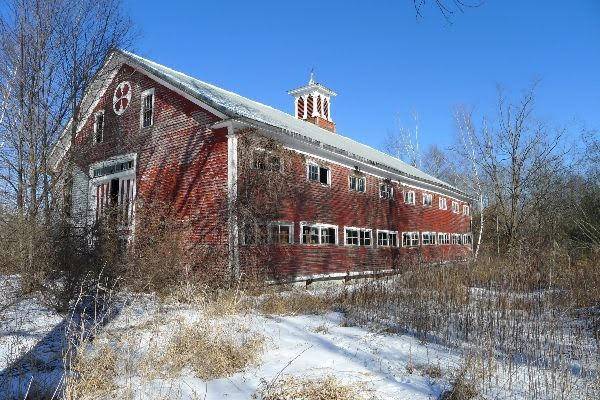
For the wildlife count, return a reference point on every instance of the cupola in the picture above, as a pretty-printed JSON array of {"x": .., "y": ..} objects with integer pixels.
[{"x": 312, "y": 103}]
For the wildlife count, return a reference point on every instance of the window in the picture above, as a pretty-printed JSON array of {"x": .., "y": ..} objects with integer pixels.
[
  {"x": 358, "y": 237},
  {"x": 113, "y": 168},
  {"x": 467, "y": 239},
  {"x": 265, "y": 233},
  {"x": 282, "y": 233},
  {"x": 466, "y": 210},
  {"x": 264, "y": 160},
  {"x": 148, "y": 108},
  {"x": 386, "y": 191},
  {"x": 428, "y": 238},
  {"x": 387, "y": 238},
  {"x": 427, "y": 199},
  {"x": 443, "y": 203},
  {"x": 318, "y": 234},
  {"x": 455, "y": 207},
  {"x": 456, "y": 238},
  {"x": 357, "y": 183},
  {"x": 410, "y": 239},
  {"x": 443, "y": 238},
  {"x": 99, "y": 127},
  {"x": 409, "y": 197},
  {"x": 319, "y": 174}
]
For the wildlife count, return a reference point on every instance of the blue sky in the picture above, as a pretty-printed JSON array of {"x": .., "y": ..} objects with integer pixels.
[{"x": 382, "y": 62}]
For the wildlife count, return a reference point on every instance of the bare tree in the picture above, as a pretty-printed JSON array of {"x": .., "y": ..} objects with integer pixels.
[
  {"x": 447, "y": 8},
  {"x": 516, "y": 160},
  {"x": 50, "y": 51},
  {"x": 404, "y": 143}
]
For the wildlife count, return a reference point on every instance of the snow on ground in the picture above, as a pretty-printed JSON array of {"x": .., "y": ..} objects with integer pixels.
[
  {"x": 387, "y": 365},
  {"x": 31, "y": 341},
  {"x": 311, "y": 346}
]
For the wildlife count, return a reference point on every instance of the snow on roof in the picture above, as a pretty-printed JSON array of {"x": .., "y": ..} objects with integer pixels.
[{"x": 234, "y": 105}]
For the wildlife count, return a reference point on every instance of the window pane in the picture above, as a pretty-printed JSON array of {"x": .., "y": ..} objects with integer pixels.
[
  {"x": 323, "y": 175},
  {"x": 313, "y": 172},
  {"x": 328, "y": 235},
  {"x": 361, "y": 185},
  {"x": 285, "y": 234},
  {"x": 352, "y": 183}
]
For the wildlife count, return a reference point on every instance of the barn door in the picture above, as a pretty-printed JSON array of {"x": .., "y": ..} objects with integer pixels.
[
  {"x": 119, "y": 195},
  {"x": 125, "y": 199}
]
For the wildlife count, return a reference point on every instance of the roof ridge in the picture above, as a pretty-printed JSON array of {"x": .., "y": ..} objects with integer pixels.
[{"x": 245, "y": 107}]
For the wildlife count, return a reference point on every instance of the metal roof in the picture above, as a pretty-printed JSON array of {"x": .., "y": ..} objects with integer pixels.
[{"x": 237, "y": 106}]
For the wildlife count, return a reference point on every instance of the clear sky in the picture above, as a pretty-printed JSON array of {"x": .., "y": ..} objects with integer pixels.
[{"x": 381, "y": 60}]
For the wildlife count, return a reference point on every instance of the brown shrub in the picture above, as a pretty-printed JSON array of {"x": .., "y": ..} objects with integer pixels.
[
  {"x": 211, "y": 352},
  {"x": 295, "y": 388},
  {"x": 297, "y": 302},
  {"x": 93, "y": 374}
]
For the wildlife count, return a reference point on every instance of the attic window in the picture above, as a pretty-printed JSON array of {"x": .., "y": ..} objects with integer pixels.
[
  {"x": 99, "y": 127},
  {"x": 148, "y": 108}
]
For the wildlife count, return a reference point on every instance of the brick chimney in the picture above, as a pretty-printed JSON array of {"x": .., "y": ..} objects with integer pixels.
[{"x": 312, "y": 103}]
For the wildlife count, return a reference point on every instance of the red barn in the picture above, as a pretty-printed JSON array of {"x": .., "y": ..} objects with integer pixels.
[{"x": 150, "y": 133}]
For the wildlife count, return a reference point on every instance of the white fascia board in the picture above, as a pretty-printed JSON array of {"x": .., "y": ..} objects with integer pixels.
[{"x": 307, "y": 147}]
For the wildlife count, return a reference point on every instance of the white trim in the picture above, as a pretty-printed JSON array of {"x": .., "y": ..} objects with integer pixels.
[
  {"x": 457, "y": 211},
  {"x": 354, "y": 228},
  {"x": 232, "y": 177},
  {"x": 320, "y": 226},
  {"x": 430, "y": 235},
  {"x": 445, "y": 201},
  {"x": 413, "y": 201},
  {"x": 412, "y": 235},
  {"x": 319, "y": 166},
  {"x": 358, "y": 178},
  {"x": 95, "y": 181},
  {"x": 143, "y": 96},
  {"x": 429, "y": 196},
  {"x": 388, "y": 232}
]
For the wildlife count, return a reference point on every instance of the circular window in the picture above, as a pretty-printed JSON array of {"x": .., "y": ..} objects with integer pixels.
[{"x": 122, "y": 97}]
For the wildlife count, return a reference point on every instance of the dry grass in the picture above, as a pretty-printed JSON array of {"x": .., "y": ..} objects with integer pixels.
[
  {"x": 297, "y": 302},
  {"x": 94, "y": 374},
  {"x": 295, "y": 388},
  {"x": 210, "y": 352}
]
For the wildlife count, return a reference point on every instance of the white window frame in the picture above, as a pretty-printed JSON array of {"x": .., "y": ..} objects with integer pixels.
[
  {"x": 409, "y": 194},
  {"x": 432, "y": 238},
  {"x": 269, "y": 227},
  {"x": 466, "y": 210},
  {"x": 456, "y": 238},
  {"x": 455, "y": 207},
  {"x": 357, "y": 179},
  {"x": 388, "y": 232},
  {"x": 389, "y": 191},
  {"x": 467, "y": 239},
  {"x": 413, "y": 235},
  {"x": 95, "y": 181},
  {"x": 309, "y": 163},
  {"x": 358, "y": 230},
  {"x": 443, "y": 238},
  {"x": 443, "y": 203},
  {"x": 96, "y": 114},
  {"x": 143, "y": 101},
  {"x": 429, "y": 198},
  {"x": 320, "y": 228}
]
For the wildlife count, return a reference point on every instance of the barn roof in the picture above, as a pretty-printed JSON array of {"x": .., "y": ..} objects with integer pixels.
[{"x": 236, "y": 106}]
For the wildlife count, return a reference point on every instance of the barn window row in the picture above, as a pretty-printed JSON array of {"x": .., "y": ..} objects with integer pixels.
[
  {"x": 327, "y": 234},
  {"x": 358, "y": 183}
]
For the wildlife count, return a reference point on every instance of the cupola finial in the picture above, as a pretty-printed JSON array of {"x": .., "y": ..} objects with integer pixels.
[{"x": 311, "y": 79}]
